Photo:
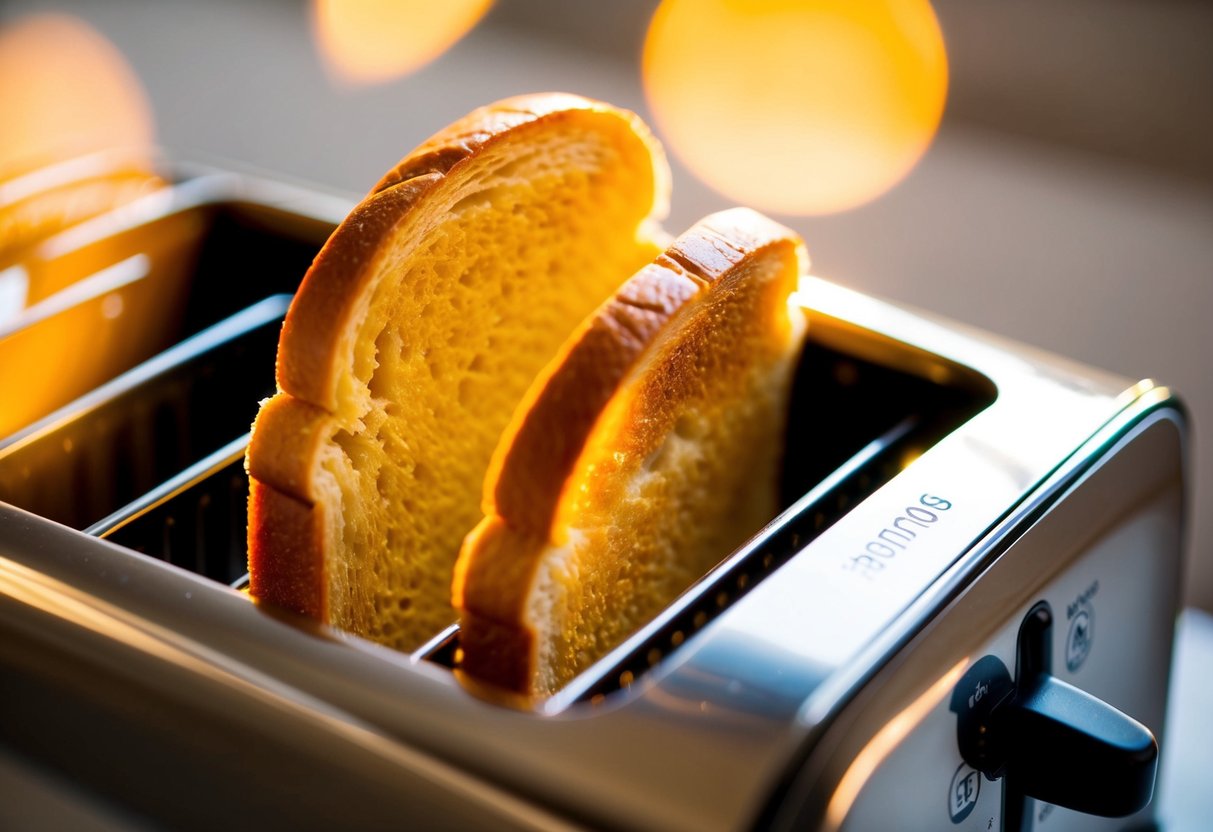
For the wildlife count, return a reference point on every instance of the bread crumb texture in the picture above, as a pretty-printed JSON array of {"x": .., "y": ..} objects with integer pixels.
[{"x": 469, "y": 291}]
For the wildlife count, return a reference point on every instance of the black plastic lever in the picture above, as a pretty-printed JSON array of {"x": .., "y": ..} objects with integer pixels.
[
  {"x": 1074, "y": 750},
  {"x": 1050, "y": 740}
]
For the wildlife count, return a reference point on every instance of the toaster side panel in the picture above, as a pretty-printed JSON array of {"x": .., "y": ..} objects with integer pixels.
[{"x": 1105, "y": 557}]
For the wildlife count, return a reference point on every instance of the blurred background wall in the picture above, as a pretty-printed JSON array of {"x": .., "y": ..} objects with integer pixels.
[{"x": 1067, "y": 200}]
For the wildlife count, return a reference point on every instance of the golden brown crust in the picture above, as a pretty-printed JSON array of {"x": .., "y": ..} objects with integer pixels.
[
  {"x": 484, "y": 125},
  {"x": 326, "y": 306},
  {"x": 496, "y": 572},
  {"x": 292, "y": 530},
  {"x": 464, "y": 137},
  {"x": 499, "y": 652},
  {"x": 285, "y": 447}
]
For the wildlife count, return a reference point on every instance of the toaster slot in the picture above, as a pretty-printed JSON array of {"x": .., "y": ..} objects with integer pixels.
[
  {"x": 251, "y": 251},
  {"x": 117, "y": 290},
  {"x": 194, "y": 520},
  {"x": 95, "y": 310},
  {"x": 144, "y": 428},
  {"x": 196, "y": 279}
]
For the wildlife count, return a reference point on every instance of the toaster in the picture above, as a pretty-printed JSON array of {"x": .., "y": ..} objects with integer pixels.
[{"x": 961, "y": 619}]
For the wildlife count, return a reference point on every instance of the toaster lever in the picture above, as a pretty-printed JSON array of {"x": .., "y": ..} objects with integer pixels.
[
  {"x": 1050, "y": 740},
  {"x": 1076, "y": 751}
]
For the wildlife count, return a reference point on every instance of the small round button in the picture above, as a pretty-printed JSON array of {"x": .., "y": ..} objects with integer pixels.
[{"x": 980, "y": 691}]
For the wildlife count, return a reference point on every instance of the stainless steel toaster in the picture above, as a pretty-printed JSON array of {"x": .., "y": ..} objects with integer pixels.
[{"x": 962, "y": 619}]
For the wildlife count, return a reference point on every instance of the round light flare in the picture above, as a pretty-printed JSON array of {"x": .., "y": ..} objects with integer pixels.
[
  {"x": 372, "y": 41},
  {"x": 797, "y": 106},
  {"x": 64, "y": 91}
]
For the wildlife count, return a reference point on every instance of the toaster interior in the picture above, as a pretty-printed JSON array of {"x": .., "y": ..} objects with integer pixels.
[{"x": 153, "y": 458}]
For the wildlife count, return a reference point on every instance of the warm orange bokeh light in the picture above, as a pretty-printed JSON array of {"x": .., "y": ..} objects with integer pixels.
[
  {"x": 369, "y": 41},
  {"x": 64, "y": 91},
  {"x": 797, "y": 106}
]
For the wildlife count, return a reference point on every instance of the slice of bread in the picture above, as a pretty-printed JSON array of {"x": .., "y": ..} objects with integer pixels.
[
  {"x": 643, "y": 454},
  {"x": 415, "y": 333}
]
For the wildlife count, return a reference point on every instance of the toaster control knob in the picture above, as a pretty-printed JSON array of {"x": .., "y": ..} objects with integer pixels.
[{"x": 1050, "y": 740}]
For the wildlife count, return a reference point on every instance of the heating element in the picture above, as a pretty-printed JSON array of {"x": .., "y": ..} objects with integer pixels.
[{"x": 939, "y": 486}]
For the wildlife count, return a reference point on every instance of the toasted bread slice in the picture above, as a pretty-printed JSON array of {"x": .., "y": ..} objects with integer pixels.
[
  {"x": 416, "y": 331},
  {"x": 642, "y": 455}
]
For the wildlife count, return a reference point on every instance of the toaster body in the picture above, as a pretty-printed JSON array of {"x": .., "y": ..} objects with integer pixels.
[{"x": 968, "y": 523}]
